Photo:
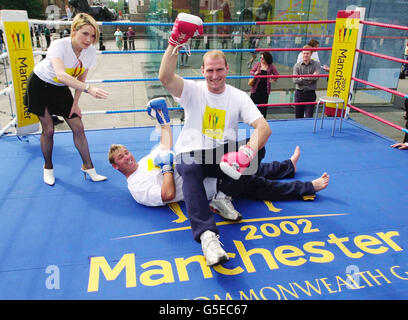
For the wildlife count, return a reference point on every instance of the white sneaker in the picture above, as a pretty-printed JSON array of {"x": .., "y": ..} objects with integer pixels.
[
  {"x": 212, "y": 250},
  {"x": 225, "y": 209},
  {"x": 48, "y": 176}
]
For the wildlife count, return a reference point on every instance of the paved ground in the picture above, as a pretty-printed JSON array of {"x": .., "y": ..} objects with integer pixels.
[{"x": 133, "y": 95}]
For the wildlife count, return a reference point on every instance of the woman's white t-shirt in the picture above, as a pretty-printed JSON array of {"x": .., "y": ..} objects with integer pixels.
[
  {"x": 62, "y": 48},
  {"x": 145, "y": 183},
  {"x": 212, "y": 119}
]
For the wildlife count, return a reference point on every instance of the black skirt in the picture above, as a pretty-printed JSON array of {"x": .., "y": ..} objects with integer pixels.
[
  {"x": 260, "y": 97},
  {"x": 41, "y": 95}
]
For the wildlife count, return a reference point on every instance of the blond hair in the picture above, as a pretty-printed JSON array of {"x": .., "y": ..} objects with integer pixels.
[
  {"x": 84, "y": 19},
  {"x": 214, "y": 54},
  {"x": 112, "y": 150}
]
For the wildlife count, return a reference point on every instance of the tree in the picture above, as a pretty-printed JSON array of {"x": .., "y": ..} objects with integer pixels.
[
  {"x": 118, "y": 5},
  {"x": 33, "y": 7}
]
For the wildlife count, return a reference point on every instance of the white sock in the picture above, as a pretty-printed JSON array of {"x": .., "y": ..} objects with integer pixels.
[{"x": 220, "y": 195}]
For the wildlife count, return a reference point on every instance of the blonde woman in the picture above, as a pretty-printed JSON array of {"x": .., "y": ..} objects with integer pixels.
[{"x": 48, "y": 92}]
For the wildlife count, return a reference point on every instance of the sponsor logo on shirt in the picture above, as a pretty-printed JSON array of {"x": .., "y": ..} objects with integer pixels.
[
  {"x": 74, "y": 72},
  {"x": 213, "y": 123}
]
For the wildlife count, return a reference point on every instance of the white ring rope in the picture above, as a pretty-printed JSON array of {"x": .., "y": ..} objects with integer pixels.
[{"x": 6, "y": 91}]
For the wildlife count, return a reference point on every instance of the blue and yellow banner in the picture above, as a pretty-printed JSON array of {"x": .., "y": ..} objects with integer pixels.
[
  {"x": 18, "y": 39},
  {"x": 342, "y": 58}
]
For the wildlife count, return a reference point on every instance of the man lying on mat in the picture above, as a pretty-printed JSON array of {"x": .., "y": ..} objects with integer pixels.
[
  {"x": 152, "y": 181},
  {"x": 403, "y": 145}
]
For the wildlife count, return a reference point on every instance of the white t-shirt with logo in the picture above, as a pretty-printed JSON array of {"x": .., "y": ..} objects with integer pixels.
[
  {"x": 212, "y": 119},
  {"x": 145, "y": 183},
  {"x": 62, "y": 48}
]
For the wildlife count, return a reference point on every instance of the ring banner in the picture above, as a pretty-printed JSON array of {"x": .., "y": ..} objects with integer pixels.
[
  {"x": 18, "y": 41},
  {"x": 342, "y": 58}
]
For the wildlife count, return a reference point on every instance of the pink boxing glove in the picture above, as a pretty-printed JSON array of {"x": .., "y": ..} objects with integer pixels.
[
  {"x": 233, "y": 164},
  {"x": 185, "y": 27}
]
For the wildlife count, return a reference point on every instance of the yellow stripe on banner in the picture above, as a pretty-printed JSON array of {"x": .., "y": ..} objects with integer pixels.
[
  {"x": 306, "y": 198},
  {"x": 21, "y": 63},
  {"x": 233, "y": 222},
  {"x": 342, "y": 58}
]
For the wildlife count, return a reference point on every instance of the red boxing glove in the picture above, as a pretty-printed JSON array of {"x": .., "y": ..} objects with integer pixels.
[
  {"x": 185, "y": 27},
  {"x": 233, "y": 164}
]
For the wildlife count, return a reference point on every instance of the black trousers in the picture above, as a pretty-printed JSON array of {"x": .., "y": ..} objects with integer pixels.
[
  {"x": 261, "y": 97},
  {"x": 262, "y": 185},
  {"x": 305, "y": 110},
  {"x": 256, "y": 183}
]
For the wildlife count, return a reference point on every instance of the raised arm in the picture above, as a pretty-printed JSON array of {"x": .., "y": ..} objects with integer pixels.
[
  {"x": 166, "y": 137},
  {"x": 185, "y": 27},
  {"x": 167, "y": 73},
  {"x": 165, "y": 160},
  {"x": 157, "y": 108}
]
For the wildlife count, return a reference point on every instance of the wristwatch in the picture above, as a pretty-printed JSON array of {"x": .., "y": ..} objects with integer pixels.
[{"x": 87, "y": 88}]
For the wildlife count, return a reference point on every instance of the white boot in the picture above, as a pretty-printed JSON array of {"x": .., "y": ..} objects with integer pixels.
[
  {"x": 48, "y": 176},
  {"x": 93, "y": 175},
  {"x": 212, "y": 250}
]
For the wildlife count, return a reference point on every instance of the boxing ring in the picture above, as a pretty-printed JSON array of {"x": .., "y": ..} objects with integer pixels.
[{"x": 84, "y": 240}]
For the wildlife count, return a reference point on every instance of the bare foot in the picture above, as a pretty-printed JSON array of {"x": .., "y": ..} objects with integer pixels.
[
  {"x": 295, "y": 156},
  {"x": 321, "y": 183}
]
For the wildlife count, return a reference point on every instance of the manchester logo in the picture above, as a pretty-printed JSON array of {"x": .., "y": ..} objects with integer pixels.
[
  {"x": 345, "y": 34},
  {"x": 213, "y": 123},
  {"x": 18, "y": 38}
]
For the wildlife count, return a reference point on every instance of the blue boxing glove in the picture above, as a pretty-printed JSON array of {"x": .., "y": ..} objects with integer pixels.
[
  {"x": 164, "y": 160},
  {"x": 159, "y": 107}
]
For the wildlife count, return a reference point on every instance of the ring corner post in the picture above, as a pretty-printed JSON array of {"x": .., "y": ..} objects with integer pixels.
[
  {"x": 18, "y": 43},
  {"x": 342, "y": 65}
]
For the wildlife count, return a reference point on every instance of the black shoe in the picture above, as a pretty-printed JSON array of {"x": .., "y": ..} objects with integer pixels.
[{"x": 56, "y": 120}]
